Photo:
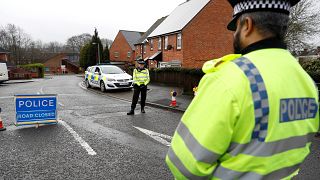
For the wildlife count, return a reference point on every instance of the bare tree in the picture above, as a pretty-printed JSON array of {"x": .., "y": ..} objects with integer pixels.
[
  {"x": 303, "y": 25},
  {"x": 77, "y": 42},
  {"x": 106, "y": 42},
  {"x": 23, "y": 49}
]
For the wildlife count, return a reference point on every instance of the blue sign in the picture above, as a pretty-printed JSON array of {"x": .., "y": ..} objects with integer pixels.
[{"x": 36, "y": 109}]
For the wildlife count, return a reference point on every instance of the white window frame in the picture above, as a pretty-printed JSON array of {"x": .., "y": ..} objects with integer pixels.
[
  {"x": 179, "y": 41},
  {"x": 116, "y": 54},
  {"x": 159, "y": 43},
  {"x": 166, "y": 42},
  {"x": 144, "y": 48},
  {"x": 129, "y": 54},
  {"x": 151, "y": 44}
]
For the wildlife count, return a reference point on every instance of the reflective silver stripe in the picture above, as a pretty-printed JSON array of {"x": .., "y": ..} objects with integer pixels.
[
  {"x": 200, "y": 153},
  {"x": 226, "y": 174},
  {"x": 179, "y": 165},
  {"x": 257, "y": 148}
]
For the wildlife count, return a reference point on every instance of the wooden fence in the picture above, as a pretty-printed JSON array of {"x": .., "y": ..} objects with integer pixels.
[{"x": 182, "y": 78}]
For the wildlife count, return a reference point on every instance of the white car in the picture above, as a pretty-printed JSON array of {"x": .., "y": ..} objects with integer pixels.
[
  {"x": 3, "y": 72},
  {"x": 107, "y": 77}
]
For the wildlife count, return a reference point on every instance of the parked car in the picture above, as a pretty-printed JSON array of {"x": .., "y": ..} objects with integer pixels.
[
  {"x": 107, "y": 77},
  {"x": 3, "y": 72}
]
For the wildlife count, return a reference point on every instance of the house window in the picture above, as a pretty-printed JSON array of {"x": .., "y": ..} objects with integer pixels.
[
  {"x": 159, "y": 43},
  {"x": 151, "y": 44},
  {"x": 144, "y": 48},
  {"x": 141, "y": 49},
  {"x": 116, "y": 54},
  {"x": 129, "y": 54},
  {"x": 166, "y": 42},
  {"x": 179, "y": 41}
]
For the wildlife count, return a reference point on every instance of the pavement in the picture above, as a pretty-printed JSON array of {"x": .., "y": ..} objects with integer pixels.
[{"x": 157, "y": 96}]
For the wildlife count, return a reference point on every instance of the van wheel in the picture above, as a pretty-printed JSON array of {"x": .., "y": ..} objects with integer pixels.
[
  {"x": 87, "y": 84},
  {"x": 102, "y": 87}
]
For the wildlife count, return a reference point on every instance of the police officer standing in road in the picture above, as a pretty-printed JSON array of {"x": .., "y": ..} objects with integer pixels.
[
  {"x": 141, "y": 79},
  {"x": 256, "y": 111}
]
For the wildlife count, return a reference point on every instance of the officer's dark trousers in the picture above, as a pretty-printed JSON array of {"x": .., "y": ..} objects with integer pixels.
[{"x": 137, "y": 90}]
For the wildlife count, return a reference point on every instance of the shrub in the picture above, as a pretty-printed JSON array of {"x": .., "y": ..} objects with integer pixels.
[
  {"x": 38, "y": 67},
  {"x": 312, "y": 67}
]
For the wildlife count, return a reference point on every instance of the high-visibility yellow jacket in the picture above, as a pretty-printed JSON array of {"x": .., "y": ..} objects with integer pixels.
[
  {"x": 253, "y": 118},
  {"x": 141, "y": 77}
]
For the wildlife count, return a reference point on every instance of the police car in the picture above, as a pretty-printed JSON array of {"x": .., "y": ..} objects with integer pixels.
[{"x": 107, "y": 77}]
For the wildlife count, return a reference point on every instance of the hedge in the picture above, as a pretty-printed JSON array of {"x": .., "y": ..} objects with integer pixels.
[
  {"x": 312, "y": 67},
  {"x": 37, "y": 66}
]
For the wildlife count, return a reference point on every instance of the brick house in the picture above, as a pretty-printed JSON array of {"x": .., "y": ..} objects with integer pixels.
[
  {"x": 122, "y": 48},
  {"x": 69, "y": 60},
  {"x": 192, "y": 34},
  {"x": 141, "y": 45}
]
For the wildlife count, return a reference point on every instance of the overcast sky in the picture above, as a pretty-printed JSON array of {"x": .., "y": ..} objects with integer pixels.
[{"x": 57, "y": 20}]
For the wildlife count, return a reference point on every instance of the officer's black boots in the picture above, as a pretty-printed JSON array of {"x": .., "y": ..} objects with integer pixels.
[
  {"x": 131, "y": 112},
  {"x": 142, "y": 110}
]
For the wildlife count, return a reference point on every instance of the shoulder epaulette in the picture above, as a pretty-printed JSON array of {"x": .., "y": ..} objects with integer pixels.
[{"x": 213, "y": 65}]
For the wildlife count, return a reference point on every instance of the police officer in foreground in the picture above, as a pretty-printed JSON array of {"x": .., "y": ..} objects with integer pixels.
[
  {"x": 141, "y": 79},
  {"x": 256, "y": 111}
]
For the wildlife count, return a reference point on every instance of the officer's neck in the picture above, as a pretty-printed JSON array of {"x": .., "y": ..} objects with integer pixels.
[
  {"x": 270, "y": 42},
  {"x": 140, "y": 68}
]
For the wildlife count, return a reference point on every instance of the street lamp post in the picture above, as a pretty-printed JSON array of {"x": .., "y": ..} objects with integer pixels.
[{"x": 98, "y": 51}]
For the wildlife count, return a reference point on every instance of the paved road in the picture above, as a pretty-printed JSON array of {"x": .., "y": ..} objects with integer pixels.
[
  {"x": 122, "y": 150},
  {"x": 112, "y": 145}
]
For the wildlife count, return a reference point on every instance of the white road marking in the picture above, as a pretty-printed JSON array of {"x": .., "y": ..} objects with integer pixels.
[
  {"x": 6, "y": 97},
  {"x": 156, "y": 136},
  {"x": 41, "y": 90},
  {"x": 83, "y": 143}
]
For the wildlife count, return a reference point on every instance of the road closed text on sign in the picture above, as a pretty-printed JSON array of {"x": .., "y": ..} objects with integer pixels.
[{"x": 35, "y": 108}]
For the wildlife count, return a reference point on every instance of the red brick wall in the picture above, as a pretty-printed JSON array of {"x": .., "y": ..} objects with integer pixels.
[
  {"x": 155, "y": 47},
  {"x": 55, "y": 62},
  {"x": 138, "y": 50},
  {"x": 167, "y": 55},
  {"x": 206, "y": 36},
  {"x": 3, "y": 57},
  {"x": 149, "y": 52},
  {"x": 174, "y": 53},
  {"x": 121, "y": 45}
]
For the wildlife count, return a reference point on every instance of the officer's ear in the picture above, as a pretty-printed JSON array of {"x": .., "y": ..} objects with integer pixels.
[{"x": 247, "y": 26}]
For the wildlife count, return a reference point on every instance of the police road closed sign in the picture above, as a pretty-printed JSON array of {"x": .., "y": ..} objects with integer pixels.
[{"x": 36, "y": 109}]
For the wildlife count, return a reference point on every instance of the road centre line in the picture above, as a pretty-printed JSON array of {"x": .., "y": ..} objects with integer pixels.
[
  {"x": 83, "y": 143},
  {"x": 41, "y": 92}
]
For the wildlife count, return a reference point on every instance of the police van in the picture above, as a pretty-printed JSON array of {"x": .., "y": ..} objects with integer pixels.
[
  {"x": 3, "y": 72},
  {"x": 107, "y": 77}
]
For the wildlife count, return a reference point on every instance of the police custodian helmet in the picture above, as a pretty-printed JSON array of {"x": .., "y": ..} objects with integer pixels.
[
  {"x": 244, "y": 6},
  {"x": 141, "y": 61}
]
